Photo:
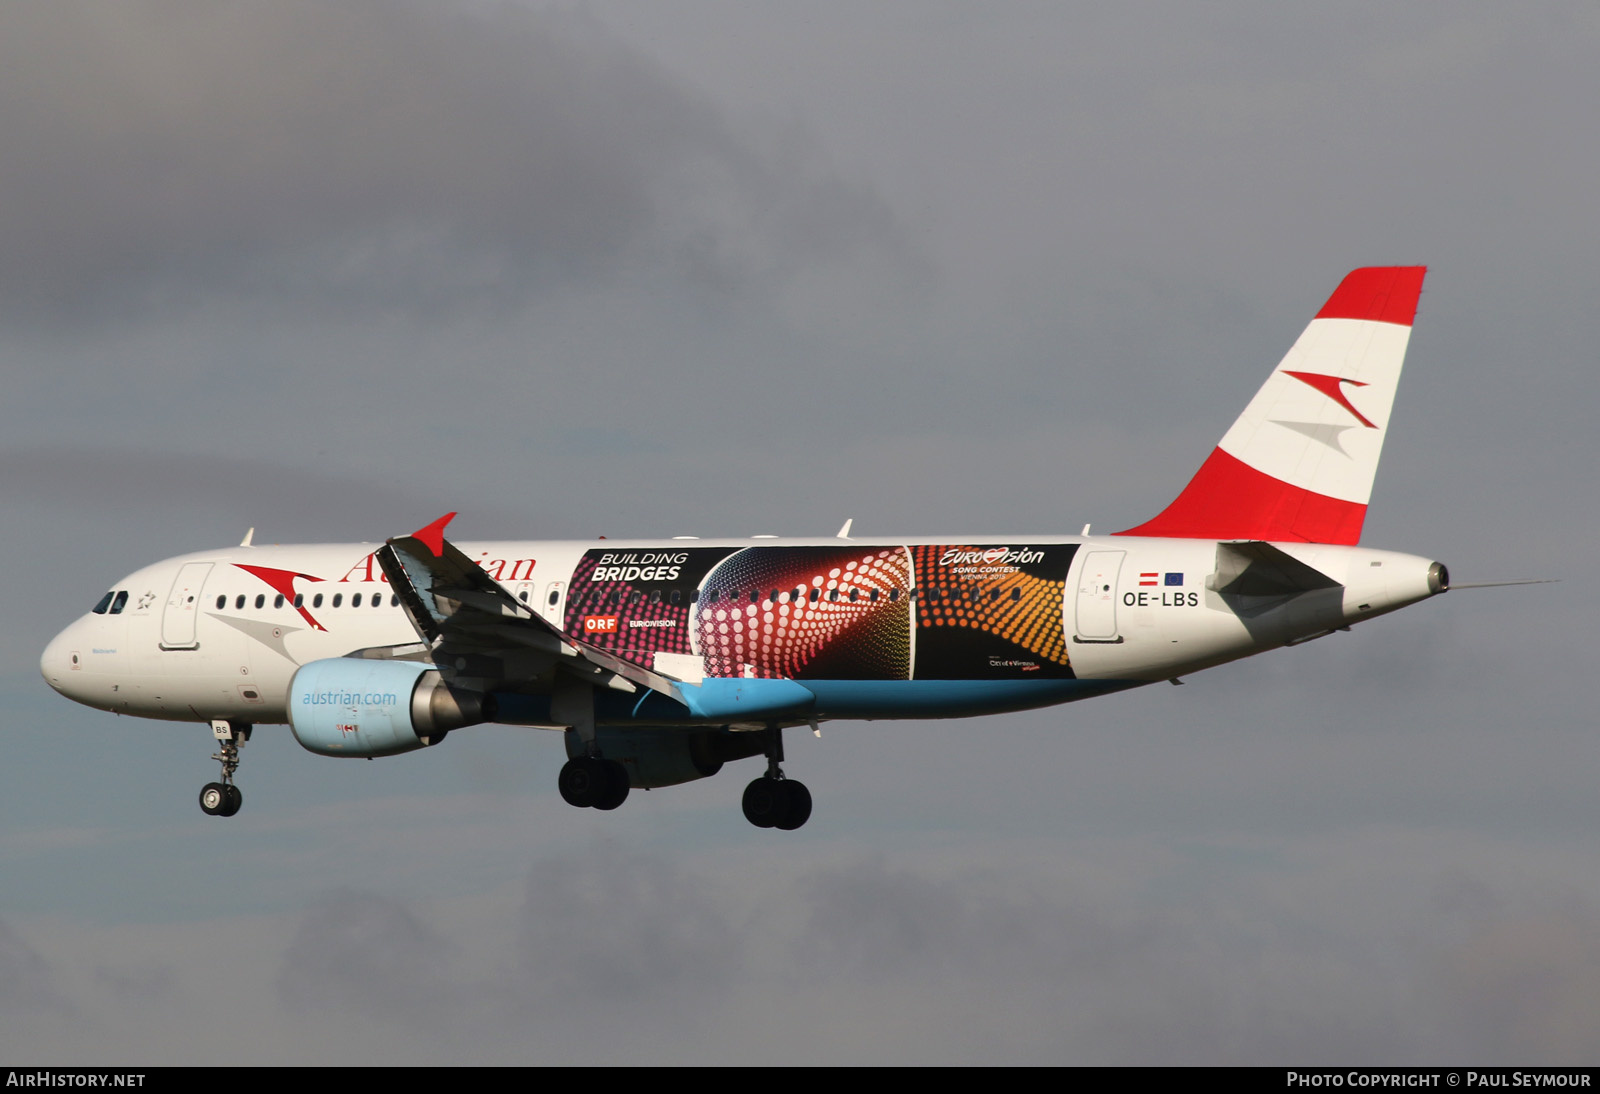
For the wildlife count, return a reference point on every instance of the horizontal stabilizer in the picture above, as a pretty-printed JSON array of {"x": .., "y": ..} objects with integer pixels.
[{"x": 1256, "y": 577}]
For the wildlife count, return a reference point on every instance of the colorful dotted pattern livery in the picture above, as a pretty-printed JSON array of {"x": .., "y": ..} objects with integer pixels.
[
  {"x": 988, "y": 613},
  {"x": 851, "y": 612},
  {"x": 818, "y": 612}
]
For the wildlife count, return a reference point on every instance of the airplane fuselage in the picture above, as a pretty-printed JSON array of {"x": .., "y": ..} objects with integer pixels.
[{"x": 907, "y": 628}]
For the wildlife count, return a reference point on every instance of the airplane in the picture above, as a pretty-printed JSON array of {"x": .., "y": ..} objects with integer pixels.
[{"x": 661, "y": 660}]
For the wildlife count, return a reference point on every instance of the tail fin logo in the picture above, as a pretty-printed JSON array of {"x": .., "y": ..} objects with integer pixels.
[{"x": 1329, "y": 386}]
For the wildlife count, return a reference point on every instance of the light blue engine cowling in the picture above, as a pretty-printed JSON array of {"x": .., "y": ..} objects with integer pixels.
[{"x": 348, "y": 706}]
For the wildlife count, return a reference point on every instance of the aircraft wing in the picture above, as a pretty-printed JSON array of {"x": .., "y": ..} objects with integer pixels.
[{"x": 478, "y": 632}]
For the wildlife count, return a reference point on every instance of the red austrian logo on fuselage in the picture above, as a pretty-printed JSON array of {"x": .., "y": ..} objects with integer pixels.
[{"x": 282, "y": 582}]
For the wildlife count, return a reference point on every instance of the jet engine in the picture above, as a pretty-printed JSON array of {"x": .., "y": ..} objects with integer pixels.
[{"x": 347, "y": 706}]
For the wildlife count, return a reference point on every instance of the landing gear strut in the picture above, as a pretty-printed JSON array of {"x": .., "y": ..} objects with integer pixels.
[
  {"x": 223, "y": 799},
  {"x": 774, "y": 801},
  {"x": 588, "y": 780}
]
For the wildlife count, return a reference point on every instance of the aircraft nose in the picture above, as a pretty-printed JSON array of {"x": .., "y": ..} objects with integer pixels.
[{"x": 60, "y": 660}]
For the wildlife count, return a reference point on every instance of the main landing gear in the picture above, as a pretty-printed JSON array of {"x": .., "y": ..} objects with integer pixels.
[
  {"x": 592, "y": 782},
  {"x": 588, "y": 780},
  {"x": 223, "y": 799},
  {"x": 774, "y": 801}
]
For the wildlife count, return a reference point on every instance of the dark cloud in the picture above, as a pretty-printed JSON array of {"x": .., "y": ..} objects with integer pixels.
[
  {"x": 27, "y": 984},
  {"x": 1522, "y": 987},
  {"x": 876, "y": 920},
  {"x": 365, "y": 953},
  {"x": 610, "y": 928},
  {"x": 370, "y": 152}
]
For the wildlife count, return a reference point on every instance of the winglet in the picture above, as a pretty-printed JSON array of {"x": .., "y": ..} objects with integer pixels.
[{"x": 432, "y": 535}]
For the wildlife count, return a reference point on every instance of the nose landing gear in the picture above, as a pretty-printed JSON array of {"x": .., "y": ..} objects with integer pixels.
[
  {"x": 220, "y": 800},
  {"x": 223, "y": 799}
]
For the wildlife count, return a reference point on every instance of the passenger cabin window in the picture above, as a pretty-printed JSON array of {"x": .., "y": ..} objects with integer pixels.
[
  {"x": 394, "y": 600},
  {"x": 355, "y": 601},
  {"x": 238, "y": 602},
  {"x": 555, "y": 595},
  {"x": 338, "y": 598},
  {"x": 261, "y": 600},
  {"x": 222, "y": 601},
  {"x": 1016, "y": 594},
  {"x": 277, "y": 601},
  {"x": 105, "y": 603},
  {"x": 299, "y": 599},
  {"x": 677, "y": 595},
  {"x": 316, "y": 601}
]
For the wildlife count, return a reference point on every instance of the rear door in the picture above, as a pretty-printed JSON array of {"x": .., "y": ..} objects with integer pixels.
[{"x": 1097, "y": 596}]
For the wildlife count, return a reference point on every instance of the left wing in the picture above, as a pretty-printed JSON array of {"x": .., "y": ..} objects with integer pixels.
[{"x": 480, "y": 635}]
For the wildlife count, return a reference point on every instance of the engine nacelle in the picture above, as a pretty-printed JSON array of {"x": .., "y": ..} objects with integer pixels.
[
  {"x": 667, "y": 755},
  {"x": 347, "y": 706}
]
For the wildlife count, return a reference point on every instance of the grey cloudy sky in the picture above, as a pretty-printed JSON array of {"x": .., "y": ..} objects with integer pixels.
[{"x": 708, "y": 267}]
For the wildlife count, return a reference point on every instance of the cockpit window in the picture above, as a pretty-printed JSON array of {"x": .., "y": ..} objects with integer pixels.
[
  {"x": 120, "y": 602},
  {"x": 105, "y": 602}
]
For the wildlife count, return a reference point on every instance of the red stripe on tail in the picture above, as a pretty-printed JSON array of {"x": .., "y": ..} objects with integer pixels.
[{"x": 1229, "y": 499}]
